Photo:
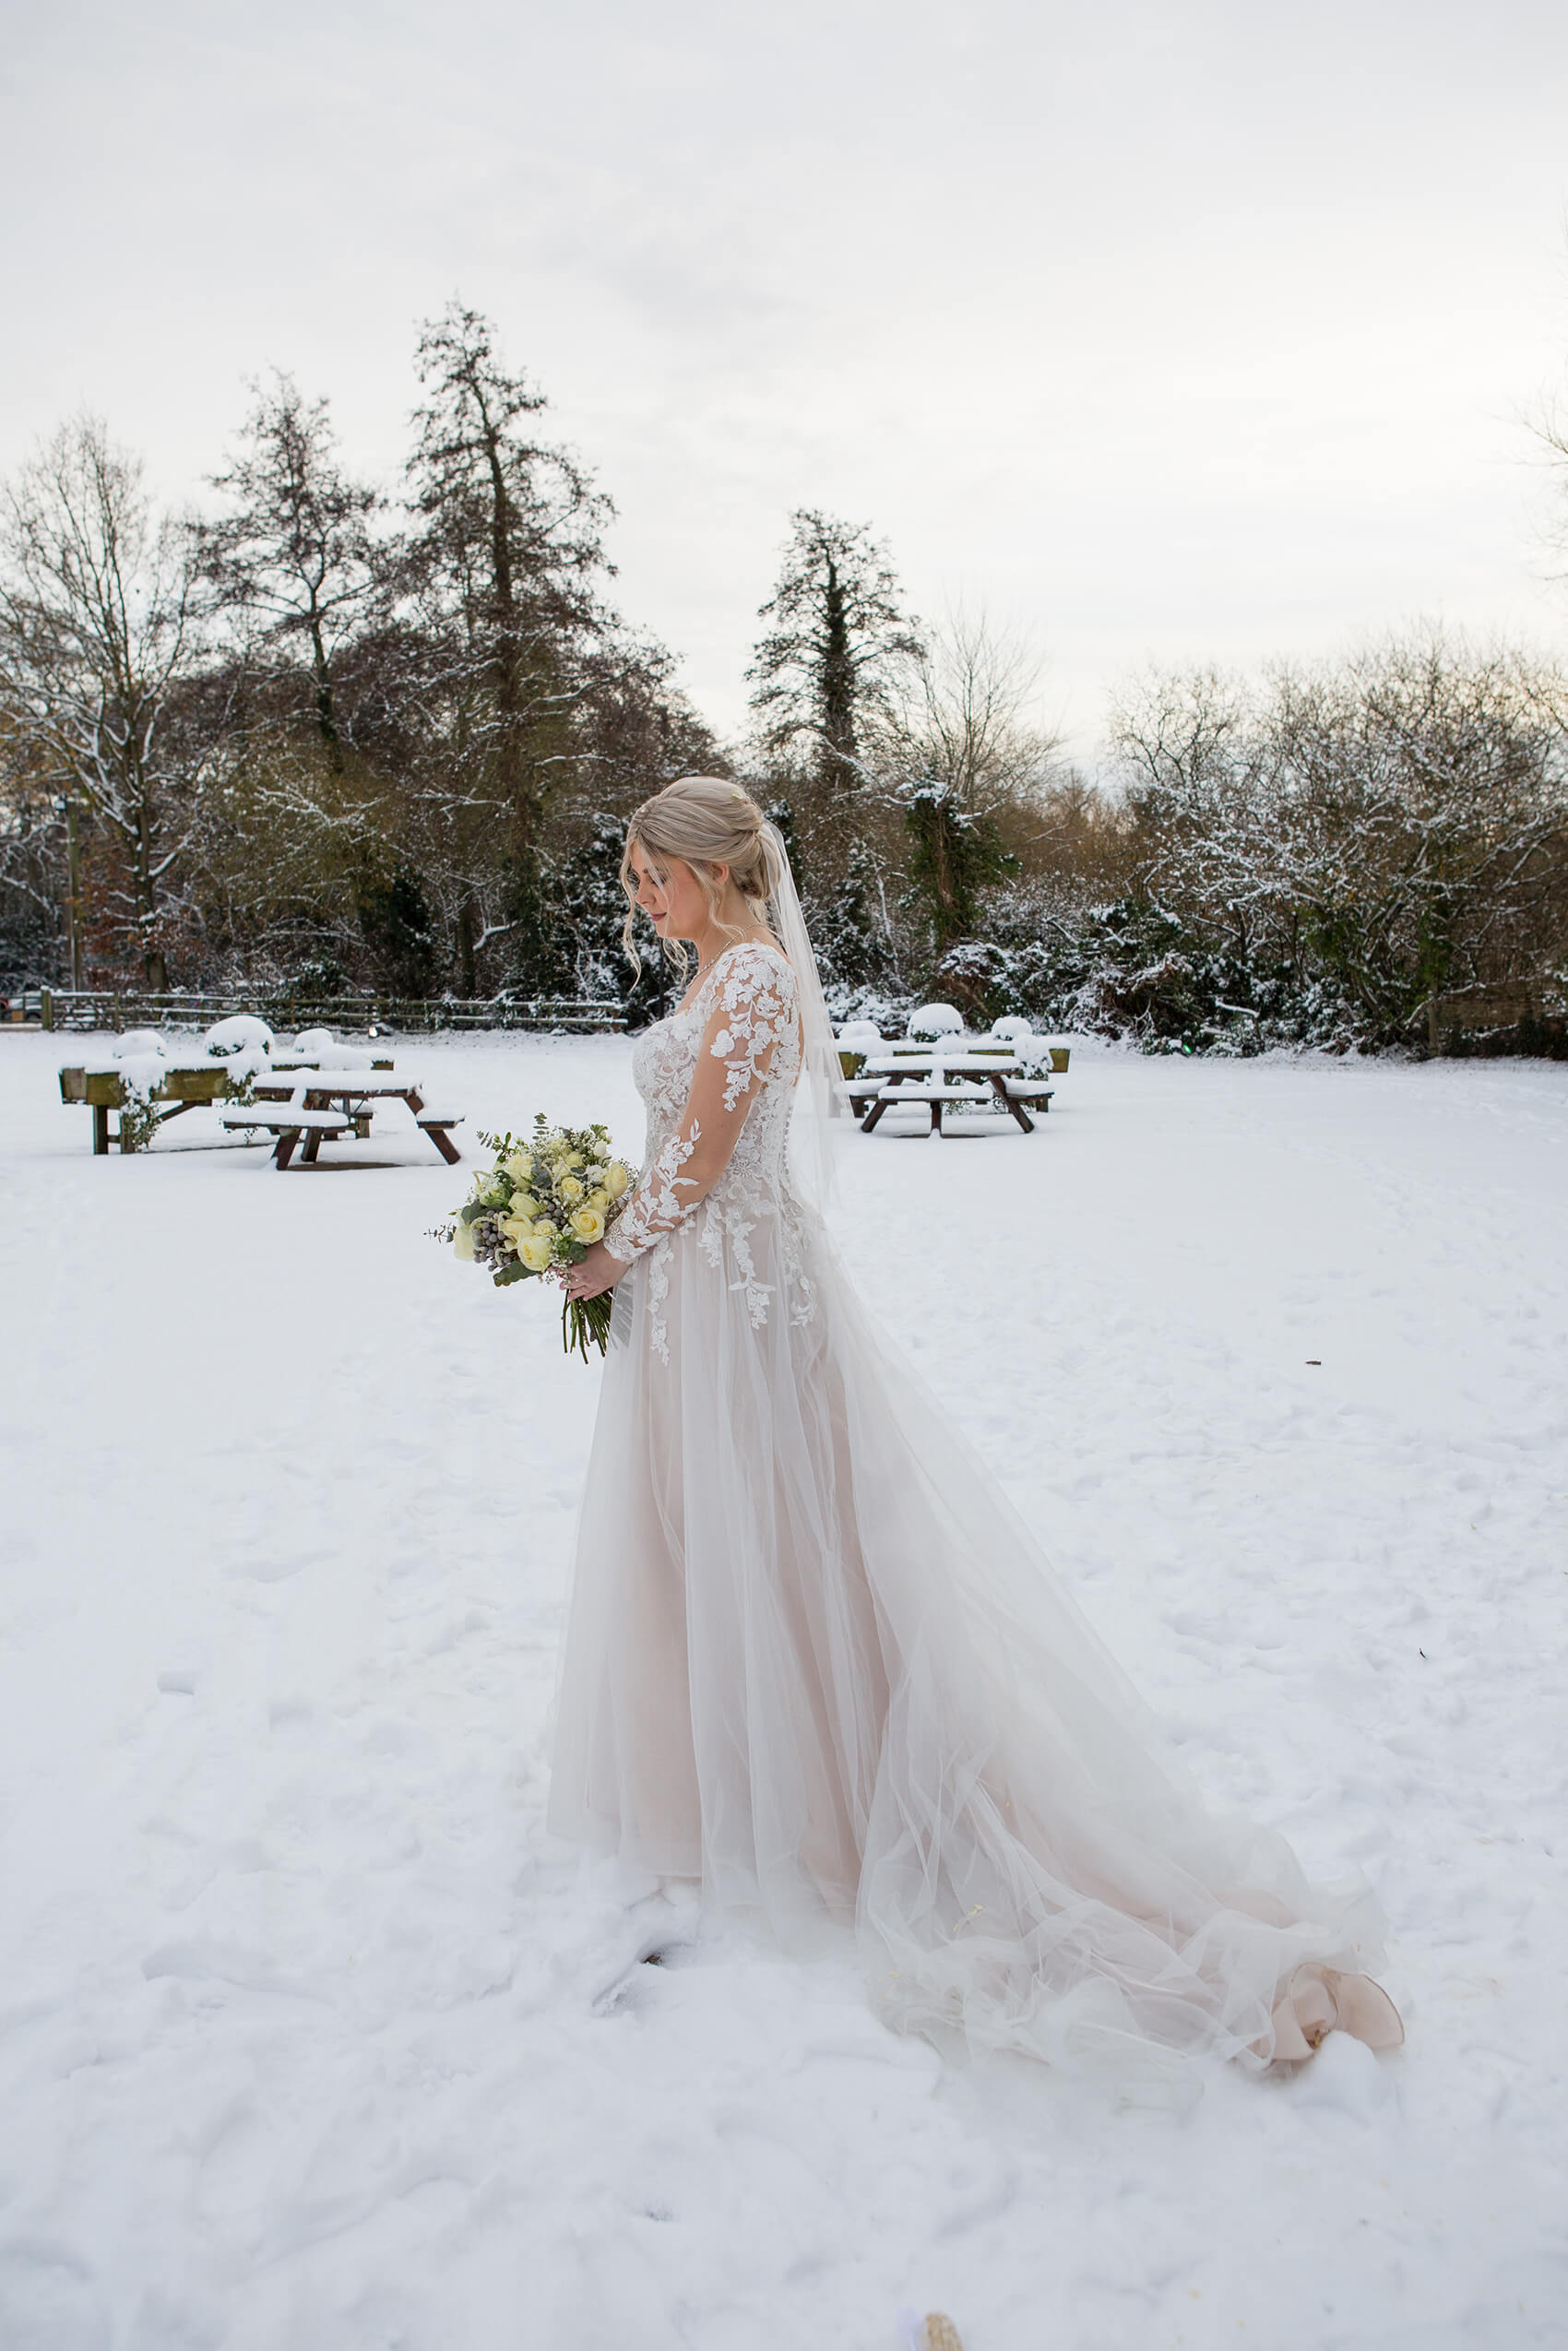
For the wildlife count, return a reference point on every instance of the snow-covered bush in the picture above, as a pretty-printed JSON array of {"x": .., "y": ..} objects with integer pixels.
[
  {"x": 1344, "y": 847},
  {"x": 929, "y": 1021},
  {"x": 320, "y": 1046},
  {"x": 243, "y": 1045},
  {"x": 1132, "y": 971},
  {"x": 1011, "y": 1028},
  {"x": 240, "y": 1034},
  {"x": 885, "y": 1012},
  {"x": 141, "y": 1065}
]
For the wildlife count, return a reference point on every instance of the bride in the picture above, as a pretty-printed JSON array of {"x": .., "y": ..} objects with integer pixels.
[{"x": 814, "y": 1662}]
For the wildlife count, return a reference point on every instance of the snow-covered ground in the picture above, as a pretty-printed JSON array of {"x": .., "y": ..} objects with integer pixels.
[{"x": 310, "y": 2042}]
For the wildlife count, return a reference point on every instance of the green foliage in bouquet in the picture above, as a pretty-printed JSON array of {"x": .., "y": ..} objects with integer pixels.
[{"x": 546, "y": 1200}]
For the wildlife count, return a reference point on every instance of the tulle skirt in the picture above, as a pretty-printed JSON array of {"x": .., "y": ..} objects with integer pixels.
[{"x": 818, "y": 1664}]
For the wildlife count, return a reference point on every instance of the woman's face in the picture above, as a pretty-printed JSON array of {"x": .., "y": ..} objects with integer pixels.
[{"x": 671, "y": 895}]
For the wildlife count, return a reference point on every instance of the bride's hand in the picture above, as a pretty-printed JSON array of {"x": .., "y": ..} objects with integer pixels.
[{"x": 599, "y": 1270}]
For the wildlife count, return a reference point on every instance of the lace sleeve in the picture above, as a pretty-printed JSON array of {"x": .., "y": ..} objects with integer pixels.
[{"x": 753, "y": 1013}]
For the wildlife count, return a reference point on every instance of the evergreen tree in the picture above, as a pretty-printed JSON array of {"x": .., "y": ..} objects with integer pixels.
[
  {"x": 397, "y": 926},
  {"x": 955, "y": 852},
  {"x": 504, "y": 567},
  {"x": 853, "y": 941},
  {"x": 587, "y": 907},
  {"x": 828, "y": 667}
]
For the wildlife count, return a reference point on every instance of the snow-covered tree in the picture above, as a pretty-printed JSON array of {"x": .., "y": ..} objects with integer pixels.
[
  {"x": 291, "y": 563},
  {"x": 504, "y": 569},
  {"x": 96, "y": 602},
  {"x": 830, "y": 667},
  {"x": 1381, "y": 831}
]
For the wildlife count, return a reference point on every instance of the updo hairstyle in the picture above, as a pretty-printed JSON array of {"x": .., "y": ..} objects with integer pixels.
[{"x": 705, "y": 822}]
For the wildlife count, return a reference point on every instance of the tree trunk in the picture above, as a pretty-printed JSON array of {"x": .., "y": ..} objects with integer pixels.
[
  {"x": 836, "y": 687},
  {"x": 468, "y": 961},
  {"x": 153, "y": 961},
  {"x": 74, "y": 906},
  {"x": 326, "y": 709},
  {"x": 514, "y": 772}
]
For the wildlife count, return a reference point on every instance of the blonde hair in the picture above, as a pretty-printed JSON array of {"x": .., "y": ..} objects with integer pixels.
[{"x": 704, "y": 822}]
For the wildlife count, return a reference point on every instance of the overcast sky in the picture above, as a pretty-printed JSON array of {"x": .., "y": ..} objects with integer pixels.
[{"x": 1193, "y": 331}]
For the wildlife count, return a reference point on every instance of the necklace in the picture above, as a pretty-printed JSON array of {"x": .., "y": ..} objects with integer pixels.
[
  {"x": 703, "y": 968},
  {"x": 713, "y": 958}
]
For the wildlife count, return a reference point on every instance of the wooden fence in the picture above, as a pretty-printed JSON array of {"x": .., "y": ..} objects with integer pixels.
[{"x": 62, "y": 1008}]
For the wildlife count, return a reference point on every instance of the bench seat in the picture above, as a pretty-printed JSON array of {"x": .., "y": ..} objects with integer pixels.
[
  {"x": 280, "y": 1117},
  {"x": 436, "y": 1124},
  {"x": 894, "y": 1094},
  {"x": 286, "y": 1122}
]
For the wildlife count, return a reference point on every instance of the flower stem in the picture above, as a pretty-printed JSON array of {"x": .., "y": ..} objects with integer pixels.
[{"x": 586, "y": 1320}]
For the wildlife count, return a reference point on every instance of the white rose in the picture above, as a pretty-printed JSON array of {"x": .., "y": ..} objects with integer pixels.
[
  {"x": 463, "y": 1243},
  {"x": 519, "y": 1166},
  {"x": 537, "y": 1252},
  {"x": 570, "y": 1188},
  {"x": 616, "y": 1178},
  {"x": 587, "y": 1224}
]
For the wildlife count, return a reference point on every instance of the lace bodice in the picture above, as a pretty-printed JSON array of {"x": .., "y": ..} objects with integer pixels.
[{"x": 719, "y": 1079}]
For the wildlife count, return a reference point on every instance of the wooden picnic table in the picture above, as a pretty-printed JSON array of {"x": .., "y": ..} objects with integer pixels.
[
  {"x": 204, "y": 1079},
  {"x": 104, "y": 1090},
  {"x": 939, "y": 1075},
  {"x": 332, "y": 1103}
]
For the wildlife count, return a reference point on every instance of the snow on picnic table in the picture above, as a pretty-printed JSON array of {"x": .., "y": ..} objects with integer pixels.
[{"x": 309, "y": 2036}]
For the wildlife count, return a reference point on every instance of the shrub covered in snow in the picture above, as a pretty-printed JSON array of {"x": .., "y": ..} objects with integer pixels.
[
  {"x": 885, "y": 1009},
  {"x": 320, "y": 1046},
  {"x": 139, "y": 1060},
  {"x": 935, "y": 1020},
  {"x": 242, "y": 1034}
]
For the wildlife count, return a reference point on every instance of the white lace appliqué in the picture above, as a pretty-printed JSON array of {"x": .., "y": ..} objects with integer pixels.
[{"x": 754, "y": 988}]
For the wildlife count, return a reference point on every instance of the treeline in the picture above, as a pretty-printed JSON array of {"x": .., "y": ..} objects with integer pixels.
[
  {"x": 322, "y": 736},
  {"x": 327, "y": 739},
  {"x": 1373, "y": 852}
]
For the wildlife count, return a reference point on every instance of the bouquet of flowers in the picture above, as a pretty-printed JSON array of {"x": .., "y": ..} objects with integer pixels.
[{"x": 544, "y": 1204}]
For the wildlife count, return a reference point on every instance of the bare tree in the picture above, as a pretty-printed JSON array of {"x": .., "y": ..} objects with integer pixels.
[
  {"x": 38, "y": 900},
  {"x": 965, "y": 766},
  {"x": 1208, "y": 800},
  {"x": 95, "y": 614},
  {"x": 963, "y": 717},
  {"x": 1383, "y": 830},
  {"x": 293, "y": 563}
]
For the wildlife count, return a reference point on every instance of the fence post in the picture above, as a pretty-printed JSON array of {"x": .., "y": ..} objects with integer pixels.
[{"x": 46, "y": 1007}]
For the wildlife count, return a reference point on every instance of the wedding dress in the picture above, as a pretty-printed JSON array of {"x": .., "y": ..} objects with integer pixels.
[{"x": 816, "y": 1663}]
